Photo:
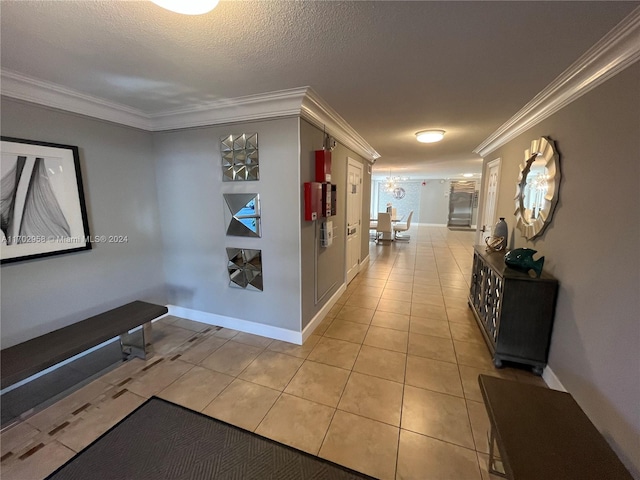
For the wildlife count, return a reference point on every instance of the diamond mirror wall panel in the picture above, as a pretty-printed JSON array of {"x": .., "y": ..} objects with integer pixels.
[
  {"x": 245, "y": 268},
  {"x": 242, "y": 214},
  {"x": 240, "y": 161}
]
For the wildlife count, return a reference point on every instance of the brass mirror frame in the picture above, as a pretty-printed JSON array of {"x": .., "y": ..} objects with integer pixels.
[{"x": 542, "y": 147}]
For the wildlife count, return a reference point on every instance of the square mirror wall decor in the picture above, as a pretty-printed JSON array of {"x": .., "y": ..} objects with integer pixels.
[
  {"x": 245, "y": 268},
  {"x": 242, "y": 214},
  {"x": 240, "y": 160}
]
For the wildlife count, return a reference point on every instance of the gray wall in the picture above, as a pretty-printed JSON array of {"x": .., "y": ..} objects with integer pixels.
[
  {"x": 190, "y": 189},
  {"x": 592, "y": 248},
  {"x": 42, "y": 295},
  {"x": 330, "y": 274}
]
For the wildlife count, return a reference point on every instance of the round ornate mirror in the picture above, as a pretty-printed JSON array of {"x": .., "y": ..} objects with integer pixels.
[
  {"x": 398, "y": 193},
  {"x": 537, "y": 189}
]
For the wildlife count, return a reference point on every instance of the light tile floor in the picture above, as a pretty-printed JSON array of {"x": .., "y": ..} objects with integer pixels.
[{"x": 386, "y": 385}]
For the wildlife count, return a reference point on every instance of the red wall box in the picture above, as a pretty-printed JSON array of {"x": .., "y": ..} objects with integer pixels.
[
  {"x": 323, "y": 166},
  {"x": 312, "y": 200}
]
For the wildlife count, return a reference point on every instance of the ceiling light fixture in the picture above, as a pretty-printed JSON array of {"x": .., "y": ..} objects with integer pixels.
[
  {"x": 430, "y": 136},
  {"x": 188, "y": 7},
  {"x": 467, "y": 175}
]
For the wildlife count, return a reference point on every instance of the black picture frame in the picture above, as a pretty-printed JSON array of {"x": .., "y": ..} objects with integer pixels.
[{"x": 42, "y": 205}]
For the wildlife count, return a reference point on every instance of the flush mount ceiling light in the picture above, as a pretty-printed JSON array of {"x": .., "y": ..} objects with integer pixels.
[
  {"x": 188, "y": 7},
  {"x": 467, "y": 175},
  {"x": 430, "y": 136}
]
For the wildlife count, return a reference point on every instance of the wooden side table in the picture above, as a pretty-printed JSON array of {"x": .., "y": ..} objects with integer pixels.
[{"x": 544, "y": 434}]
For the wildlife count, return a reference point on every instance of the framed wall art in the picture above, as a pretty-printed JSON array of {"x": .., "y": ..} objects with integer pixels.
[{"x": 42, "y": 204}]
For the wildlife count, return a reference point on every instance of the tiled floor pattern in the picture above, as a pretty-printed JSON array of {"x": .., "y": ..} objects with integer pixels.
[{"x": 386, "y": 385}]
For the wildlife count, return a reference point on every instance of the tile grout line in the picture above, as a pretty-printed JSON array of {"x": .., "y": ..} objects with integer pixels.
[
  {"x": 404, "y": 386},
  {"x": 335, "y": 410},
  {"x": 404, "y": 383},
  {"x": 237, "y": 377},
  {"x": 465, "y": 399},
  {"x": 344, "y": 389}
]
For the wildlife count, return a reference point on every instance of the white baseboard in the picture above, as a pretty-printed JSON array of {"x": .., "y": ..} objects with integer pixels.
[
  {"x": 552, "y": 380},
  {"x": 432, "y": 224},
  {"x": 317, "y": 319},
  {"x": 263, "y": 330},
  {"x": 364, "y": 263}
]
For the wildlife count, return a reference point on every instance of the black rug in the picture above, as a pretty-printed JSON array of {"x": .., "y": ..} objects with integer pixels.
[{"x": 162, "y": 440}]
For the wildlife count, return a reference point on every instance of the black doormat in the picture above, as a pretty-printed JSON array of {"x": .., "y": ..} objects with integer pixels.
[{"x": 162, "y": 440}]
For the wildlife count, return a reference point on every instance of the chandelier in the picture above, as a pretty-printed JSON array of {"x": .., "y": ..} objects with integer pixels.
[{"x": 391, "y": 183}]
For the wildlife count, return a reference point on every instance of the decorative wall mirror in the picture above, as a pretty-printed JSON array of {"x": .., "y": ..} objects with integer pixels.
[
  {"x": 399, "y": 193},
  {"x": 242, "y": 214},
  {"x": 240, "y": 161},
  {"x": 244, "y": 266},
  {"x": 537, "y": 188}
]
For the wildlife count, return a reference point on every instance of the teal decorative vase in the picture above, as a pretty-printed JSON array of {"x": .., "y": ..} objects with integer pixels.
[
  {"x": 501, "y": 230},
  {"x": 522, "y": 259}
]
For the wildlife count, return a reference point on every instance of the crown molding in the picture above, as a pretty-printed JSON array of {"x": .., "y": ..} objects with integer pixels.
[
  {"x": 29, "y": 89},
  {"x": 614, "y": 52},
  {"x": 282, "y": 103},
  {"x": 317, "y": 112},
  {"x": 301, "y": 101}
]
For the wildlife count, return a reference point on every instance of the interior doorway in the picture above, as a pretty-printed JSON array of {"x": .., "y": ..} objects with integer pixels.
[
  {"x": 491, "y": 183},
  {"x": 354, "y": 217}
]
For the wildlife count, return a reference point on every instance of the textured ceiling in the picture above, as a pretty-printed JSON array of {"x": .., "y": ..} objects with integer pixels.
[{"x": 389, "y": 68}]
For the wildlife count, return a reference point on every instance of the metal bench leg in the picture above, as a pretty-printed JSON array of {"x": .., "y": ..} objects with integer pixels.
[
  {"x": 495, "y": 461},
  {"x": 137, "y": 343}
]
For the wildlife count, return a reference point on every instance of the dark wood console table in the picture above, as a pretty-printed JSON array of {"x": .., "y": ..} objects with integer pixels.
[
  {"x": 543, "y": 434},
  {"x": 514, "y": 310}
]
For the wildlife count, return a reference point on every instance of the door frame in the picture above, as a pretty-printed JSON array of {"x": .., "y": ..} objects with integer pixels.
[{"x": 485, "y": 187}]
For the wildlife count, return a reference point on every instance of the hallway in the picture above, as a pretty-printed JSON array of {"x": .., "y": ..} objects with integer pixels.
[{"x": 386, "y": 385}]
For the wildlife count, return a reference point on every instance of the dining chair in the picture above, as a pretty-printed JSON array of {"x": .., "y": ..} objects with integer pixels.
[
  {"x": 373, "y": 226},
  {"x": 402, "y": 227},
  {"x": 384, "y": 226}
]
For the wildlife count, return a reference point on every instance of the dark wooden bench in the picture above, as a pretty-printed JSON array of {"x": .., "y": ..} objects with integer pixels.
[
  {"x": 544, "y": 434},
  {"x": 28, "y": 358}
]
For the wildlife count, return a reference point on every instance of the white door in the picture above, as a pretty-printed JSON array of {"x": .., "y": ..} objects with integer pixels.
[
  {"x": 354, "y": 217},
  {"x": 492, "y": 177}
]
